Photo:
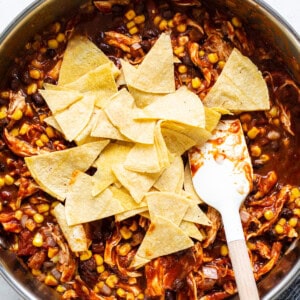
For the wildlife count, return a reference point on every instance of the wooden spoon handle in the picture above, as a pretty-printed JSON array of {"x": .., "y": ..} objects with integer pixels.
[{"x": 243, "y": 271}]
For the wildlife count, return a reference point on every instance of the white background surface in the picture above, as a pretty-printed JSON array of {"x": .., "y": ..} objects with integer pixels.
[{"x": 9, "y": 9}]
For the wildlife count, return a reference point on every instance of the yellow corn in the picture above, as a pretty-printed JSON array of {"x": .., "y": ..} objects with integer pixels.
[
  {"x": 42, "y": 208},
  {"x": 126, "y": 233},
  {"x": 213, "y": 58},
  {"x": 183, "y": 40},
  {"x": 8, "y": 180},
  {"x": 52, "y": 251},
  {"x": 36, "y": 272},
  {"x": 38, "y": 240},
  {"x": 129, "y": 296},
  {"x": 157, "y": 20},
  {"x": 18, "y": 214},
  {"x": 279, "y": 229},
  {"x": 53, "y": 44},
  {"x": 268, "y": 214},
  {"x": 236, "y": 22},
  {"x": 100, "y": 269},
  {"x": 50, "y": 132},
  {"x": 221, "y": 64},
  {"x": 38, "y": 218},
  {"x": 274, "y": 111},
  {"x": 39, "y": 143},
  {"x": 132, "y": 280},
  {"x": 139, "y": 19},
  {"x": 24, "y": 129},
  {"x": 163, "y": 25},
  {"x": 255, "y": 151},
  {"x": 30, "y": 224},
  {"x": 35, "y": 74},
  {"x": 170, "y": 24},
  {"x": 295, "y": 193},
  {"x": 60, "y": 289},
  {"x": 141, "y": 296},
  {"x": 112, "y": 280},
  {"x": 196, "y": 83},
  {"x": 2, "y": 182},
  {"x": 282, "y": 221},
  {"x": 3, "y": 114},
  {"x": 51, "y": 280},
  {"x": 296, "y": 212},
  {"x": 133, "y": 30},
  {"x": 44, "y": 138},
  {"x": 86, "y": 255},
  {"x": 17, "y": 115},
  {"x": 297, "y": 202},
  {"x": 178, "y": 50},
  {"x": 60, "y": 37},
  {"x": 5, "y": 94},
  {"x": 182, "y": 69},
  {"x": 224, "y": 250},
  {"x": 130, "y": 14},
  {"x": 133, "y": 226},
  {"x": 253, "y": 132},
  {"x": 98, "y": 259},
  {"x": 32, "y": 88},
  {"x": 245, "y": 118},
  {"x": 121, "y": 293},
  {"x": 124, "y": 249},
  {"x": 181, "y": 28},
  {"x": 130, "y": 24},
  {"x": 56, "y": 27},
  {"x": 293, "y": 221}
]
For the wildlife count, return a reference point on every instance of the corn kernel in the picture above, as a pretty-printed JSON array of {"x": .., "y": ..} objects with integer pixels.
[
  {"x": 96, "y": 290},
  {"x": 276, "y": 122},
  {"x": 24, "y": 129},
  {"x": 139, "y": 19},
  {"x": 245, "y": 118},
  {"x": 112, "y": 280},
  {"x": 132, "y": 280},
  {"x": 133, "y": 226},
  {"x": 253, "y": 132},
  {"x": 297, "y": 202},
  {"x": 56, "y": 27},
  {"x": 60, "y": 289},
  {"x": 181, "y": 28},
  {"x": 3, "y": 114},
  {"x": 125, "y": 233},
  {"x": 236, "y": 22},
  {"x": 279, "y": 229},
  {"x": 163, "y": 25},
  {"x": 274, "y": 111},
  {"x": 157, "y": 20},
  {"x": 213, "y": 58},
  {"x": 293, "y": 221},
  {"x": 264, "y": 158},
  {"x": 8, "y": 180},
  {"x": 60, "y": 37},
  {"x": 30, "y": 224},
  {"x": 130, "y": 296},
  {"x": 221, "y": 64},
  {"x": 170, "y": 24},
  {"x": 39, "y": 143},
  {"x": 130, "y": 14},
  {"x": 196, "y": 83},
  {"x": 35, "y": 74},
  {"x": 255, "y": 150},
  {"x": 224, "y": 250},
  {"x": 295, "y": 193},
  {"x": 130, "y": 24},
  {"x": 38, "y": 218},
  {"x": 17, "y": 115},
  {"x": 133, "y": 30},
  {"x": 2, "y": 182},
  {"x": 50, "y": 132},
  {"x": 98, "y": 259},
  {"x": 44, "y": 138},
  {"x": 86, "y": 255},
  {"x": 32, "y": 88},
  {"x": 100, "y": 269},
  {"x": 38, "y": 240},
  {"x": 121, "y": 292},
  {"x": 251, "y": 246},
  {"x": 282, "y": 221},
  {"x": 36, "y": 272},
  {"x": 52, "y": 251},
  {"x": 296, "y": 212},
  {"x": 51, "y": 280},
  {"x": 42, "y": 208},
  {"x": 182, "y": 69},
  {"x": 18, "y": 214},
  {"x": 268, "y": 214},
  {"x": 178, "y": 50},
  {"x": 5, "y": 94},
  {"x": 53, "y": 44},
  {"x": 201, "y": 53},
  {"x": 124, "y": 249},
  {"x": 28, "y": 110},
  {"x": 141, "y": 296}
]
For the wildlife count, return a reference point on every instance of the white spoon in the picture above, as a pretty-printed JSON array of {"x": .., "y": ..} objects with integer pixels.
[{"x": 222, "y": 177}]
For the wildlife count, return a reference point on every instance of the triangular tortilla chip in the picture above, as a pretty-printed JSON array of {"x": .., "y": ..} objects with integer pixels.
[
  {"x": 75, "y": 235},
  {"x": 189, "y": 186},
  {"x": 53, "y": 171},
  {"x": 194, "y": 214},
  {"x": 156, "y": 244},
  {"x": 114, "y": 153},
  {"x": 138, "y": 184},
  {"x": 82, "y": 207},
  {"x": 60, "y": 100},
  {"x": 191, "y": 230},
  {"x": 99, "y": 82},
  {"x": 182, "y": 106},
  {"x": 212, "y": 118},
  {"x": 120, "y": 112},
  {"x": 81, "y": 56},
  {"x": 81, "y": 111},
  {"x": 240, "y": 86}
]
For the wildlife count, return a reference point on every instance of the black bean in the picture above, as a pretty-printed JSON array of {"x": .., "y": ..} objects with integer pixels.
[
  {"x": 38, "y": 99},
  {"x": 15, "y": 84},
  {"x": 170, "y": 295},
  {"x": 50, "y": 53}
]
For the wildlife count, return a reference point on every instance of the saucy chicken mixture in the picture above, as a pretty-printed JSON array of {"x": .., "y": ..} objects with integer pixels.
[{"x": 202, "y": 40}]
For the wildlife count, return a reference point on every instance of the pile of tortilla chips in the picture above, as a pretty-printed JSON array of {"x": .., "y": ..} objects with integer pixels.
[{"x": 134, "y": 137}]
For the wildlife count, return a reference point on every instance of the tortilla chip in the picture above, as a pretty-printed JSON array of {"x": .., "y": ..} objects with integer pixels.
[
  {"x": 105, "y": 129},
  {"x": 80, "y": 57},
  {"x": 138, "y": 184},
  {"x": 130, "y": 213},
  {"x": 99, "y": 82},
  {"x": 120, "y": 112},
  {"x": 53, "y": 123},
  {"x": 114, "y": 153},
  {"x": 168, "y": 205},
  {"x": 81, "y": 111},
  {"x": 240, "y": 86},
  {"x": 156, "y": 244},
  {"x": 53, "y": 171},
  {"x": 189, "y": 186},
  {"x": 182, "y": 106},
  {"x": 171, "y": 180},
  {"x": 60, "y": 100},
  {"x": 75, "y": 235},
  {"x": 82, "y": 207},
  {"x": 212, "y": 118},
  {"x": 191, "y": 230},
  {"x": 194, "y": 214}
]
